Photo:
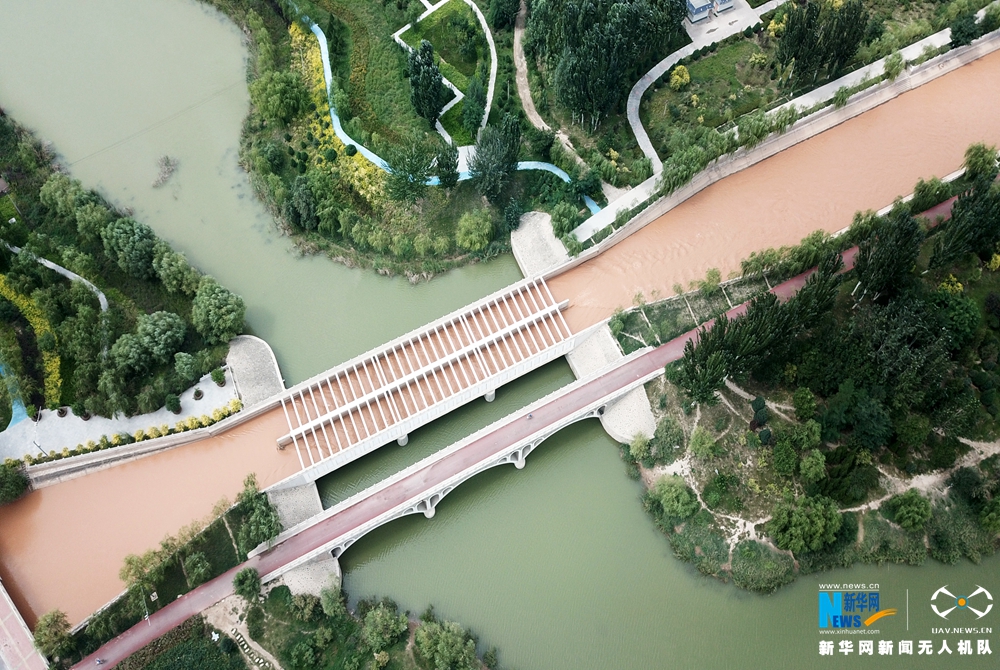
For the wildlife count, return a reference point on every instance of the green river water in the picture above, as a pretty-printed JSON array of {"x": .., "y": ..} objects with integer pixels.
[{"x": 556, "y": 564}]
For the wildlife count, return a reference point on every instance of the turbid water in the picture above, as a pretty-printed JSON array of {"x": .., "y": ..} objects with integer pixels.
[
  {"x": 819, "y": 184},
  {"x": 556, "y": 564},
  {"x": 115, "y": 84}
]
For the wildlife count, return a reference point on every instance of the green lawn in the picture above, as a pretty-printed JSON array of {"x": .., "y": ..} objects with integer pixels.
[{"x": 451, "y": 29}]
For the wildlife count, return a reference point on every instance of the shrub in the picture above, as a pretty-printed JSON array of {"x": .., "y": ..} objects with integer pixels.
[
  {"x": 804, "y": 524},
  {"x": 679, "y": 78},
  {"x": 964, "y": 30},
  {"x": 13, "y": 483},
  {"x": 52, "y": 634},
  {"x": 173, "y": 403},
  {"x": 804, "y": 402},
  {"x": 197, "y": 568},
  {"x": 219, "y": 377},
  {"x": 702, "y": 445},
  {"x": 216, "y": 312},
  {"x": 246, "y": 584},
  {"x": 350, "y": 150},
  {"x": 446, "y": 645},
  {"x": 894, "y": 65},
  {"x": 910, "y": 510},
  {"x": 475, "y": 230},
  {"x": 676, "y": 498}
]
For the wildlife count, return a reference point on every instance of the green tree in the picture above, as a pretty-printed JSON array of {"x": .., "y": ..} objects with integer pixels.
[
  {"x": 300, "y": 207},
  {"x": 61, "y": 195},
  {"x": 52, "y": 634},
  {"x": 446, "y": 646},
  {"x": 475, "y": 230},
  {"x": 13, "y": 483},
  {"x": 131, "y": 245},
  {"x": 91, "y": 220},
  {"x": 279, "y": 96},
  {"x": 886, "y": 257},
  {"x": 989, "y": 517},
  {"x": 410, "y": 167},
  {"x": 785, "y": 459},
  {"x": 676, "y": 498},
  {"x": 910, "y": 510},
  {"x": 174, "y": 271},
  {"x": 332, "y": 601},
  {"x": 872, "y": 426},
  {"x": 216, "y": 312},
  {"x": 427, "y": 92},
  {"x": 246, "y": 584},
  {"x": 260, "y": 522},
  {"x": 963, "y": 30},
  {"x": 447, "y": 165},
  {"x": 160, "y": 334},
  {"x": 813, "y": 466},
  {"x": 502, "y": 13},
  {"x": 129, "y": 354},
  {"x": 381, "y": 627},
  {"x": 197, "y": 568},
  {"x": 804, "y": 524},
  {"x": 981, "y": 163},
  {"x": 495, "y": 157},
  {"x": 701, "y": 444},
  {"x": 804, "y": 402},
  {"x": 474, "y": 106},
  {"x": 186, "y": 367}
]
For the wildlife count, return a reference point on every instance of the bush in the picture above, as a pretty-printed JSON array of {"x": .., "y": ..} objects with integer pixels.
[
  {"x": 805, "y": 404},
  {"x": 757, "y": 568},
  {"x": 13, "y": 483},
  {"x": 804, "y": 524},
  {"x": 676, "y": 498},
  {"x": 446, "y": 645},
  {"x": 350, "y": 150},
  {"x": 173, "y": 403},
  {"x": 197, "y": 568},
  {"x": 475, "y": 230},
  {"x": 910, "y": 510},
  {"x": 216, "y": 312},
  {"x": 246, "y": 584},
  {"x": 219, "y": 377},
  {"x": 52, "y": 634},
  {"x": 702, "y": 445}
]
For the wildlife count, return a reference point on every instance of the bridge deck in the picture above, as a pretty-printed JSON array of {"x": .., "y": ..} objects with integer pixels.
[{"x": 421, "y": 375}]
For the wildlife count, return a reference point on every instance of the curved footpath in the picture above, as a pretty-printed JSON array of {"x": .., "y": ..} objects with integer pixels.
[{"x": 817, "y": 184}]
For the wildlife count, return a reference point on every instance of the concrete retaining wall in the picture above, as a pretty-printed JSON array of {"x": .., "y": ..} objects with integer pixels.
[{"x": 802, "y": 130}]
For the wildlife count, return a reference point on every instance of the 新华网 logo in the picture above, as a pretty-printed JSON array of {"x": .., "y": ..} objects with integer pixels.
[
  {"x": 949, "y": 602},
  {"x": 850, "y": 609}
]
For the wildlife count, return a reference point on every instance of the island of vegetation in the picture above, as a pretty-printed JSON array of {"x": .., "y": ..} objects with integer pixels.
[
  {"x": 332, "y": 198},
  {"x": 857, "y": 421}
]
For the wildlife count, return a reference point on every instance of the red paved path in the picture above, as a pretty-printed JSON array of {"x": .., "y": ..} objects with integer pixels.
[{"x": 428, "y": 477}]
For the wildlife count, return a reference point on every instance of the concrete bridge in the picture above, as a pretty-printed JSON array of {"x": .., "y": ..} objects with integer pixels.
[
  {"x": 420, "y": 488},
  {"x": 384, "y": 394}
]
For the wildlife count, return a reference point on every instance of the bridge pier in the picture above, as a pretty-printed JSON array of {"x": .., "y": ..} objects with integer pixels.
[
  {"x": 490, "y": 396},
  {"x": 403, "y": 440}
]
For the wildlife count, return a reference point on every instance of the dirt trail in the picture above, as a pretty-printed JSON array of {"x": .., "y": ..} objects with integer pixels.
[{"x": 861, "y": 164}]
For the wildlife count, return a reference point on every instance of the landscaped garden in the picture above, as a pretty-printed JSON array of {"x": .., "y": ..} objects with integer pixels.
[
  {"x": 870, "y": 377},
  {"x": 164, "y": 326},
  {"x": 333, "y": 199}
]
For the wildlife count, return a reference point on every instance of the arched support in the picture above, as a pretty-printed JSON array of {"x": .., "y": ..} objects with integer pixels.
[
  {"x": 403, "y": 440},
  {"x": 490, "y": 396}
]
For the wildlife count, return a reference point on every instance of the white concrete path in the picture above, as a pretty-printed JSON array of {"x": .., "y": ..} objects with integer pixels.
[
  {"x": 702, "y": 34},
  {"x": 535, "y": 246},
  {"x": 54, "y": 433}
]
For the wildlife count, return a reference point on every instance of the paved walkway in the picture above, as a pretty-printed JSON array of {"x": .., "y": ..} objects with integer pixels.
[
  {"x": 254, "y": 369},
  {"x": 702, "y": 34},
  {"x": 54, "y": 433},
  {"x": 17, "y": 647}
]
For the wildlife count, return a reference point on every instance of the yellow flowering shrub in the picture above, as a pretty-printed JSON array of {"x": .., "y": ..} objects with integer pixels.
[
  {"x": 994, "y": 263},
  {"x": 951, "y": 285},
  {"x": 367, "y": 179},
  {"x": 41, "y": 326}
]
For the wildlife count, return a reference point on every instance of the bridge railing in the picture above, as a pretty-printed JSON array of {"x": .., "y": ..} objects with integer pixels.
[{"x": 494, "y": 459}]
